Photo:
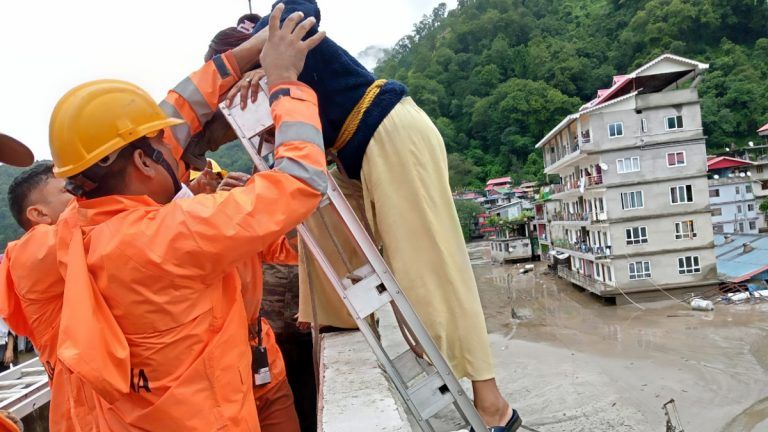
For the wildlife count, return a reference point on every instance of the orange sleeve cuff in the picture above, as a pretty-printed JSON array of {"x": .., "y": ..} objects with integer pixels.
[{"x": 232, "y": 64}]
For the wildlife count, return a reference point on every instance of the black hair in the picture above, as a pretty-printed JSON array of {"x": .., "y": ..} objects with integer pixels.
[
  {"x": 23, "y": 186},
  {"x": 232, "y": 37},
  {"x": 110, "y": 179}
]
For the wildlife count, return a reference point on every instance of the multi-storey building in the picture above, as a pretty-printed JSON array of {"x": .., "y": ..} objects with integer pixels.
[
  {"x": 634, "y": 213},
  {"x": 731, "y": 196}
]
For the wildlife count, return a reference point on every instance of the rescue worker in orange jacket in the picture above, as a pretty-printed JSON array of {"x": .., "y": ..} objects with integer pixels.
[
  {"x": 152, "y": 320},
  {"x": 271, "y": 391}
]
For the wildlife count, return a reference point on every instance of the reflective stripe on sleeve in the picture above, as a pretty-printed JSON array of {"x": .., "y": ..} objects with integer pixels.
[
  {"x": 180, "y": 131},
  {"x": 298, "y": 131},
  {"x": 314, "y": 177},
  {"x": 189, "y": 91}
]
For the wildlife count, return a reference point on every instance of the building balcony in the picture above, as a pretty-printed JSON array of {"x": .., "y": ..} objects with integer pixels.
[
  {"x": 564, "y": 161},
  {"x": 587, "y": 282},
  {"x": 583, "y": 248},
  {"x": 595, "y": 180},
  {"x": 583, "y": 219},
  {"x": 730, "y": 180}
]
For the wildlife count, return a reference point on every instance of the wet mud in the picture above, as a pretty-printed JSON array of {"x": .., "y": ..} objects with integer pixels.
[{"x": 569, "y": 362}]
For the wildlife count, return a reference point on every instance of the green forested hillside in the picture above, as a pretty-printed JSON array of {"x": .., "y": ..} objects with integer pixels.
[{"x": 496, "y": 75}]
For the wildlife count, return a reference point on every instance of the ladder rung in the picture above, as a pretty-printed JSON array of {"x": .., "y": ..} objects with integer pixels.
[
  {"x": 411, "y": 367},
  {"x": 366, "y": 295},
  {"x": 430, "y": 395}
]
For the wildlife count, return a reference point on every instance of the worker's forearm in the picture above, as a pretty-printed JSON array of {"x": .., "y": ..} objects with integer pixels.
[{"x": 247, "y": 54}]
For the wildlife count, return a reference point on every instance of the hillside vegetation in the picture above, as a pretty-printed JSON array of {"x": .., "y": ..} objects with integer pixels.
[{"x": 496, "y": 75}]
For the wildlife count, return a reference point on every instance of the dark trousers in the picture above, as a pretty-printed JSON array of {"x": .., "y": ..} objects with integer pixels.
[{"x": 297, "y": 354}]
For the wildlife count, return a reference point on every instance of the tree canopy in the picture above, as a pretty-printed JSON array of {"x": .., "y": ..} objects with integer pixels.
[{"x": 496, "y": 75}]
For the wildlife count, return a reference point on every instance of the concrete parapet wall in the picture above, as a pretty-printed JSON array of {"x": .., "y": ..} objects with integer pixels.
[{"x": 355, "y": 394}]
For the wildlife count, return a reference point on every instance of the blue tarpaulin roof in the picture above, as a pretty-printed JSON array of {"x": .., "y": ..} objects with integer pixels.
[{"x": 736, "y": 265}]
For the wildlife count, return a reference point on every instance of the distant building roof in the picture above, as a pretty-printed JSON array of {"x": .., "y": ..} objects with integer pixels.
[
  {"x": 763, "y": 130},
  {"x": 721, "y": 162},
  {"x": 652, "y": 76},
  {"x": 734, "y": 264},
  {"x": 528, "y": 184},
  {"x": 500, "y": 180}
]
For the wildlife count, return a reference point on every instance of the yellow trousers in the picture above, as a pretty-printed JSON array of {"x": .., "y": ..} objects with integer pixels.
[{"x": 406, "y": 201}]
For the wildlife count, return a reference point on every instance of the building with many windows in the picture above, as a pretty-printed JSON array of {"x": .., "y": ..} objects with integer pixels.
[
  {"x": 634, "y": 208},
  {"x": 731, "y": 196}
]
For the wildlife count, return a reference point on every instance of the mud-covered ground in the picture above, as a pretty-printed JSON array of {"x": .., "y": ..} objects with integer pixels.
[{"x": 570, "y": 363}]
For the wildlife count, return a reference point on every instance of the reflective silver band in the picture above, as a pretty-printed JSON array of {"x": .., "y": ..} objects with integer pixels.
[
  {"x": 314, "y": 177},
  {"x": 180, "y": 131},
  {"x": 298, "y": 131}
]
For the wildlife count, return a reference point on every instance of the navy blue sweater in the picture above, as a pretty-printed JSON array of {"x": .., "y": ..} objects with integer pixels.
[{"x": 340, "y": 81}]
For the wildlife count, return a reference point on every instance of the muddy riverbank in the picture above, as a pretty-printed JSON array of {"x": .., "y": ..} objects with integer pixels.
[{"x": 570, "y": 363}]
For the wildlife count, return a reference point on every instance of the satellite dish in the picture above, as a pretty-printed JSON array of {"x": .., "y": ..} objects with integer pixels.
[
  {"x": 727, "y": 149},
  {"x": 730, "y": 175},
  {"x": 749, "y": 173},
  {"x": 716, "y": 176},
  {"x": 742, "y": 175},
  {"x": 604, "y": 166},
  {"x": 751, "y": 144}
]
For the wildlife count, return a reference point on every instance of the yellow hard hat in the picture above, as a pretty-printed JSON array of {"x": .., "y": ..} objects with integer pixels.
[
  {"x": 214, "y": 167},
  {"x": 97, "y": 118}
]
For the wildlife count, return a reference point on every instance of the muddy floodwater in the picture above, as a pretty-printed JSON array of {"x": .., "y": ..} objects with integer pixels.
[{"x": 570, "y": 363}]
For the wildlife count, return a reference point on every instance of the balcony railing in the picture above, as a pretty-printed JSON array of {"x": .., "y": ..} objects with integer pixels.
[
  {"x": 571, "y": 217},
  {"x": 584, "y": 281},
  {"x": 595, "y": 180},
  {"x": 583, "y": 247}
]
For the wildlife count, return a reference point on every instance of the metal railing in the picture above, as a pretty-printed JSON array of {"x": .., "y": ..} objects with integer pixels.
[
  {"x": 595, "y": 180},
  {"x": 584, "y": 281},
  {"x": 584, "y": 247}
]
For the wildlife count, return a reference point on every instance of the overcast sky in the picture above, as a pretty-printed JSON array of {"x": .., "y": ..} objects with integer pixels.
[{"x": 51, "y": 46}]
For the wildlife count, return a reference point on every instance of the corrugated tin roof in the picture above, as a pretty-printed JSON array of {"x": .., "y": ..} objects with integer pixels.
[
  {"x": 736, "y": 265},
  {"x": 726, "y": 162}
]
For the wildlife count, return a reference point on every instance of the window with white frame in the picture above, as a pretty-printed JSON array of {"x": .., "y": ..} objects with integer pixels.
[
  {"x": 616, "y": 130},
  {"x": 608, "y": 274},
  {"x": 741, "y": 227},
  {"x": 750, "y": 207},
  {"x": 629, "y": 164},
  {"x": 717, "y": 211},
  {"x": 684, "y": 230},
  {"x": 714, "y": 193},
  {"x": 738, "y": 190},
  {"x": 739, "y": 208},
  {"x": 753, "y": 225},
  {"x": 674, "y": 122},
  {"x": 688, "y": 265},
  {"x": 632, "y": 200},
  {"x": 636, "y": 235},
  {"x": 748, "y": 189},
  {"x": 676, "y": 159},
  {"x": 597, "y": 270},
  {"x": 644, "y": 125},
  {"x": 681, "y": 194},
  {"x": 639, "y": 270}
]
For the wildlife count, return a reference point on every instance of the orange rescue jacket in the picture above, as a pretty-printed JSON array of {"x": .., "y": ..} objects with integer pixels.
[{"x": 152, "y": 319}]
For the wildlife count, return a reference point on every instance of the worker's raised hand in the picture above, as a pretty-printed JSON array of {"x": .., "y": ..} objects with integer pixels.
[
  {"x": 284, "y": 53},
  {"x": 248, "y": 85},
  {"x": 233, "y": 180},
  {"x": 206, "y": 182}
]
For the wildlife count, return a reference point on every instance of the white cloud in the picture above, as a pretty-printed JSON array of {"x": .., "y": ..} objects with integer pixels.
[{"x": 50, "y": 46}]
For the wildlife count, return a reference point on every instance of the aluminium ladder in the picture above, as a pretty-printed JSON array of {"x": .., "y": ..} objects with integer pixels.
[
  {"x": 24, "y": 388},
  {"x": 365, "y": 283}
]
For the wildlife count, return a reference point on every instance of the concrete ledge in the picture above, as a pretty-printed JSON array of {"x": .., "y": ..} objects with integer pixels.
[{"x": 355, "y": 394}]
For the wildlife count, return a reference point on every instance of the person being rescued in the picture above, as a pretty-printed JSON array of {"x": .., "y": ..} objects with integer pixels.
[
  {"x": 151, "y": 330},
  {"x": 393, "y": 171}
]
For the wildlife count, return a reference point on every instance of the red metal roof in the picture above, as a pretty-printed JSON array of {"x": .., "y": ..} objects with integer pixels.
[
  {"x": 726, "y": 162},
  {"x": 500, "y": 180}
]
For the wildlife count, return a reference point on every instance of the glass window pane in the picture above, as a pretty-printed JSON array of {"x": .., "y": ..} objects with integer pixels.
[
  {"x": 670, "y": 159},
  {"x": 680, "y": 122}
]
